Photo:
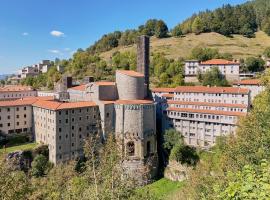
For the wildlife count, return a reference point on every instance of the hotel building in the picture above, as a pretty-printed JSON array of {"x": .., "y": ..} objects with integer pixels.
[{"x": 201, "y": 113}]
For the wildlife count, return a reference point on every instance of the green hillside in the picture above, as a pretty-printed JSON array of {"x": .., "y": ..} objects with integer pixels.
[{"x": 237, "y": 45}]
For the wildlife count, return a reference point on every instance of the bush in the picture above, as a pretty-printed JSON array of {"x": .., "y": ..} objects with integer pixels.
[
  {"x": 39, "y": 166},
  {"x": 184, "y": 155}
]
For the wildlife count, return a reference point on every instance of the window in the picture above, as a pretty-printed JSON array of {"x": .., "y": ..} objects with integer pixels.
[
  {"x": 24, "y": 108},
  {"x": 148, "y": 148},
  {"x": 60, "y": 129},
  {"x": 130, "y": 149},
  {"x": 108, "y": 114},
  {"x": 8, "y": 109},
  {"x": 66, "y": 120},
  {"x": 18, "y": 123},
  {"x": 1, "y": 125},
  {"x": 66, "y": 112},
  {"x": 17, "y": 116},
  {"x": 24, "y": 116},
  {"x": 17, "y": 109},
  {"x": 8, "y": 116},
  {"x": 72, "y": 144},
  {"x": 72, "y": 127},
  {"x": 8, "y": 124}
]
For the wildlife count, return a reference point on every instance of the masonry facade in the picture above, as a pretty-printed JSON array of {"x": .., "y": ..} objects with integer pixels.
[{"x": 201, "y": 113}]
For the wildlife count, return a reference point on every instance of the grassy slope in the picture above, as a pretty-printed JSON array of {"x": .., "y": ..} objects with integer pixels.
[
  {"x": 162, "y": 189},
  {"x": 19, "y": 147},
  {"x": 239, "y": 46}
]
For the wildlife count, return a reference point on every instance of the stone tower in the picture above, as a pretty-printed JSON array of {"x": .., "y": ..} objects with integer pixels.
[{"x": 143, "y": 48}]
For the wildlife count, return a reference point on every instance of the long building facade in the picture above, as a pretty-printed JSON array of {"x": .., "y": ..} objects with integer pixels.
[{"x": 201, "y": 113}]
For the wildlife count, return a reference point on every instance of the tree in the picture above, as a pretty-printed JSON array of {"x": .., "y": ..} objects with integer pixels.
[
  {"x": 248, "y": 183},
  {"x": 39, "y": 166},
  {"x": 184, "y": 154},
  {"x": 171, "y": 138},
  {"x": 161, "y": 29},
  {"x": 213, "y": 77},
  {"x": 204, "y": 54},
  {"x": 177, "y": 31},
  {"x": 254, "y": 64},
  {"x": 14, "y": 185},
  {"x": 197, "y": 26}
]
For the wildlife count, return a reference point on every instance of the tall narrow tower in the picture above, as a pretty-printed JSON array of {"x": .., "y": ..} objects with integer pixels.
[{"x": 143, "y": 58}]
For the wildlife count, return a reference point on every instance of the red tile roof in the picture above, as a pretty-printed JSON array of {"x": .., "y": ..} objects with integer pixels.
[
  {"x": 168, "y": 95},
  {"x": 15, "y": 88},
  {"x": 79, "y": 87},
  {"x": 164, "y": 90},
  {"x": 23, "y": 102},
  {"x": 104, "y": 83},
  {"x": 214, "y": 112},
  {"x": 130, "y": 73},
  {"x": 248, "y": 82},
  {"x": 219, "y": 62},
  {"x": 207, "y": 104},
  {"x": 133, "y": 102},
  {"x": 55, "y": 105},
  {"x": 204, "y": 89}
]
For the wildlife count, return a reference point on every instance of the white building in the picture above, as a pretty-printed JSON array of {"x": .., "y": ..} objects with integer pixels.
[
  {"x": 229, "y": 69},
  {"x": 201, "y": 113},
  {"x": 254, "y": 85},
  {"x": 10, "y": 92}
]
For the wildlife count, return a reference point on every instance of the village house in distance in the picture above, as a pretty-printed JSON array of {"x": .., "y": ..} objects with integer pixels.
[{"x": 230, "y": 69}]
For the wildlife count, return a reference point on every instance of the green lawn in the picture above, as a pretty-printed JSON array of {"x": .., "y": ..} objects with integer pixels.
[
  {"x": 162, "y": 189},
  {"x": 17, "y": 148}
]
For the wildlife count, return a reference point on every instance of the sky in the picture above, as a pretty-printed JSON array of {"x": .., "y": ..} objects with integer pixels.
[{"x": 32, "y": 30}]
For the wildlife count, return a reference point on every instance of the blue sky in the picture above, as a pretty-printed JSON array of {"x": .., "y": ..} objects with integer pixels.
[{"x": 32, "y": 30}]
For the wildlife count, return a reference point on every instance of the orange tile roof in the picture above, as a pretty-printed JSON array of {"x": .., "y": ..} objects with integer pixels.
[
  {"x": 207, "y": 104},
  {"x": 214, "y": 112},
  {"x": 130, "y": 73},
  {"x": 104, "y": 83},
  {"x": 55, "y": 105},
  {"x": 15, "y": 88},
  {"x": 204, "y": 89},
  {"x": 168, "y": 95},
  {"x": 133, "y": 102},
  {"x": 18, "y": 102},
  {"x": 248, "y": 82},
  {"x": 23, "y": 101},
  {"x": 79, "y": 87},
  {"x": 219, "y": 62},
  {"x": 163, "y": 90}
]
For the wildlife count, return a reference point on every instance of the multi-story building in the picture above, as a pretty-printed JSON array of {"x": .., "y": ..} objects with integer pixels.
[
  {"x": 201, "y": 113},
  {"x": 229, "y": 69},
  {"x": 10, "y": 92},
  {"x": 64, "y": 126},
  {"x": 124, "y": 108},
  {"x": 16, "y": 116},
  {"x": 254, "y": 85}
]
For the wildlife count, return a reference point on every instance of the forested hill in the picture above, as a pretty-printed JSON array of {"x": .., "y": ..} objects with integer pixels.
[{"x": 244, "y": 19}]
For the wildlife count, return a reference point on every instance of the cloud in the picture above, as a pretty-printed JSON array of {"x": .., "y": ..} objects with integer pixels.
[
  {"x": 57, "y": 33},
  {"x": 25, "y": 34},
  {"x": 55, "y": 51},
  {"x": 67, "y": 49}
]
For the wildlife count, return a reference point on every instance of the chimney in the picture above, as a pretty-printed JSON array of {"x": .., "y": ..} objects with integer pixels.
[{"x": 143, "y": 58}]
